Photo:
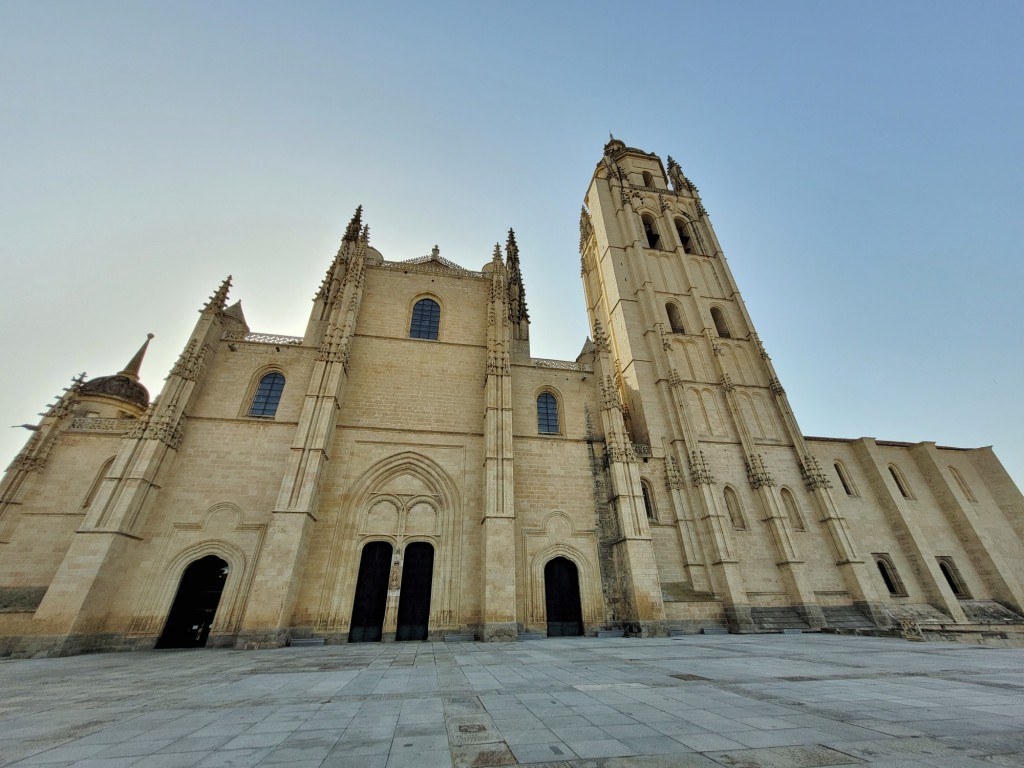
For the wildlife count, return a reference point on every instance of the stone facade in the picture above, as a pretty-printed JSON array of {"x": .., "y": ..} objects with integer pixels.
[{"x": 421, "y": 475}]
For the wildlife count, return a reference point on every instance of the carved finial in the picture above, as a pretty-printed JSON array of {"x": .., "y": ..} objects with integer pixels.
[
  {"x": 131, "y": 371},
  {"x": 352, "y": 230},
  {"x": 586, "y": 227},
  {"x": 496, "y": 258},
  {"x": 365, "y": 235},
  {"x": 219, "y": 300},
  {"x": 511, "y": 246}
]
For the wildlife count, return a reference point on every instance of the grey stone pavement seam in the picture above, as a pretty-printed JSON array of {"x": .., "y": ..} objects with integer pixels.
[{"x": 746, "y": 701}]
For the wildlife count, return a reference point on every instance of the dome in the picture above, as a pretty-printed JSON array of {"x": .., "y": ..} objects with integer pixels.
[
  {"x": 118, "y": 386},
  {"x": 124, "y": 385}
]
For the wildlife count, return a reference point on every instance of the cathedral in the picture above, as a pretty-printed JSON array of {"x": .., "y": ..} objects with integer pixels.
[{"x": 406, "y": 470}]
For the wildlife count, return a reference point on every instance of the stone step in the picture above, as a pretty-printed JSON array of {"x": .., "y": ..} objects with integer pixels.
[
  {"x": 531, "y": 636},
  {"x": 777, "y": 619},
  {"x": 611, "y": 633},
  {"x": 467, "y": 638},
  {"x": 714, "y": 631},
  {"x": 846, "y": 617}
]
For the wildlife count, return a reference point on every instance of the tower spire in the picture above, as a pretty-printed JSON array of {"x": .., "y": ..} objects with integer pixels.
[
  {"x": 131, "y": 371},
  {"x": 354, "y": 226},
  {"x": 219, "y": 299},
  {"x": 517, "y": 312}
]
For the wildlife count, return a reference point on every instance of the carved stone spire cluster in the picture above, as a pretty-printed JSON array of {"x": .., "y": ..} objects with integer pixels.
[
  {"x": 65, "y": 402},
  {"x": 814, "y": 476},
  {"x": 517, "y": 312},
  {"x": 601, "y": 338},
  {"x": 757, "y": 472},
  {"x": 336, "y": 270},
  {"x": 354, "y": 226},
  {"x": 700, "y": 473},
  {"x": 586, "y": 227},
  {"x": 219, "y": 301}
]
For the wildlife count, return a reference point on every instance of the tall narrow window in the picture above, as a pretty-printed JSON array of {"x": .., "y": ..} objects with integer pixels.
[
  {"x": 648, "y": 501},
  {"x": 650, "y": 231},
  {"x": 901, "y": 484},
  {"x": 889, "y": 575},
  {"x": 718, "y": 318},
  {"x": 792, "y": 510},
  {"x": 95, "y": 487},
  {"x": 268, "y": 395},
  {"x": 683, "y": 237},
  {"x": 964, "y": 487},
  {"x": 732, "y": 505},
  {"x": 953, "y": 577},
  {"x": 426, "y": 316},
  {"x": 547, "y": 414},
  {"x": 675, "y": 322},
  {"x": 648, "y": 179},
  {"x": 844, "y": 479}
]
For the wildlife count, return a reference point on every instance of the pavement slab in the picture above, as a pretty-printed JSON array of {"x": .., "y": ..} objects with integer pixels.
[{"x": 743, "y": 701}]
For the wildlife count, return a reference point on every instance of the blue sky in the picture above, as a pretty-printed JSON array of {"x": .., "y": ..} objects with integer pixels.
[{"x": 861, "y": 163}]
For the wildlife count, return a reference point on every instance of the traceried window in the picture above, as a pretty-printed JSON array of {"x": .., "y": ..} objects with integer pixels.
[
  {"x": 268, "y": 395},
  {"x": 426, "y": 317},
  {"x": 547, "y": 414}
]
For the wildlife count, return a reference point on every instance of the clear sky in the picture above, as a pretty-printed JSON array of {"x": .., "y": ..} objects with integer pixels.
[{"x": 861, "y": 163}]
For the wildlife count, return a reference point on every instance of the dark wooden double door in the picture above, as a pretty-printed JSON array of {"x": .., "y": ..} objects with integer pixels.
[{"x": 370, "y": 604}]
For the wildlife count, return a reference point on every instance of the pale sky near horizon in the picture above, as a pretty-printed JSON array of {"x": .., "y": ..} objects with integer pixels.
[{"x": 861, "y": 163}]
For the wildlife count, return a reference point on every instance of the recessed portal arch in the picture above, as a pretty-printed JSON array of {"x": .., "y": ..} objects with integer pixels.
[
  {"x": 370, "y": 603},
  {"x": 195, "y": 604}
]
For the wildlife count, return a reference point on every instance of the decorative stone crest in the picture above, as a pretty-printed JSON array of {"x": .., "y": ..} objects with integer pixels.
[
  {"x": 814, "y": 477},
  {"x": 700, "y": 473},
  {"x": 713, "y": 341},
  {"x": 726, "y": 382},
  {"x": 219, "y": 301},
  {"x": 757, "y": 472},
  {"x": 65, "y": 403},
  {"x": 586, "y": 227},
  {"x": 776, "y": 386},
  {"x": 674, "y": 379}
]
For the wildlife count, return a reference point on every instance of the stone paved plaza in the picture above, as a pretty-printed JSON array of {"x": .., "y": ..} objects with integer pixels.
[{"x": 778, "y": 701}]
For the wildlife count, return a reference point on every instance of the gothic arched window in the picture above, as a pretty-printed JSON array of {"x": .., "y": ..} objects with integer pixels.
[
  {"x": 675, "y": 322},
  {"x": 889, "y": 575},
  {"x": 901, "y": 484},
  {"x": 721, "y": 327},
  {"x": 964, "y": 487},
  {"x": 268, "y": 395},
  {"x": 426, "y": 317},
  {"x": 844, "y": 479},
  {"x": 650, "y": 230},
  {"x": 684, "y": 238},
  {"x": 732, "y": 505},
  {"x": 648, "y": 500},
  {"x": 792, "y": 510},
  {"x": 547, "y": 414},
  {"x": 953, "y": 577}
]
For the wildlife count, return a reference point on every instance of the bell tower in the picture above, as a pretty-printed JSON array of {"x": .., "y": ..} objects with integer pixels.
[{"x": 705, "y": 416}]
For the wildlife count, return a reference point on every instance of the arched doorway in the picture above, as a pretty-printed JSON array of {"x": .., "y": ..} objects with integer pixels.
[
  {"x": 371, "y": 593},
  {"x": 414, "y": 599},
  {"x": 195, "y": 604},
  {"x": 562, "y": 598}
]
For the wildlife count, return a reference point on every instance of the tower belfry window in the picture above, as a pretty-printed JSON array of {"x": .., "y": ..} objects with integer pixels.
[
  {"x": 675, "y": 322},
  {"x": 650, "y": 232},
  {"x": 720, "y": 325},
  {"x": 268, "y": 396},
  {"x": 648, "y": 179},
  {"x": 683, "y": 237}
]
